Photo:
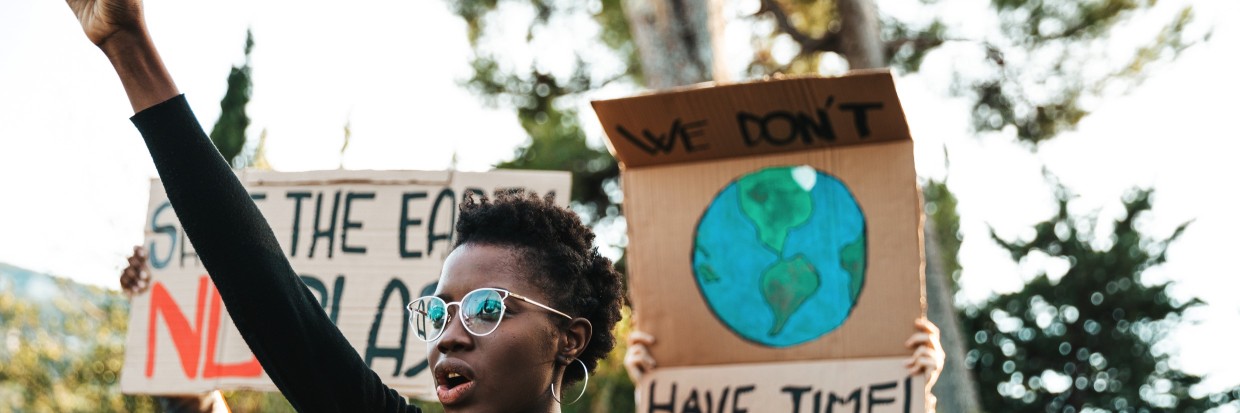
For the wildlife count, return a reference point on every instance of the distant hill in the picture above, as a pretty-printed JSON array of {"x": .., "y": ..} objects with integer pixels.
[
  {"x": 61, "y": 345},
  {"x": 44, "y": 292}
]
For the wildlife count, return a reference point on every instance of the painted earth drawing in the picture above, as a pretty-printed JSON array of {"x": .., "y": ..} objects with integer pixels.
[{"x": 780, "y": 255}]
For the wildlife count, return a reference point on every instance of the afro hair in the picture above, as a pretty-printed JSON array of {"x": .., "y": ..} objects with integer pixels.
[{"x": 559, "y": 248}]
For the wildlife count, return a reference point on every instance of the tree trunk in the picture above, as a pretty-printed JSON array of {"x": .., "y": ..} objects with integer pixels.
[
  {"x": 956, "y": 390},
  {"x": 859, "y": 40},
  {"x": 677, "y": 40},
  {"x": 861, "y": 46}
]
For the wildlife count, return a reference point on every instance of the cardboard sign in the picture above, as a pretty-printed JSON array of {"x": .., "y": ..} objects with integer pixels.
[
  {"x": 770, "y": 221},
  {"x": 364, "y": 242},
  {"x": 852, "y": 386}
]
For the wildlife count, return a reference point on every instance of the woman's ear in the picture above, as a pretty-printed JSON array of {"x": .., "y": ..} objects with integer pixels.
[{"x": 575, "y": 339}]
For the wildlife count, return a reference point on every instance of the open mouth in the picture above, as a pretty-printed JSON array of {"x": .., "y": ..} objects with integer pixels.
[{"x": 453, "y": 380}]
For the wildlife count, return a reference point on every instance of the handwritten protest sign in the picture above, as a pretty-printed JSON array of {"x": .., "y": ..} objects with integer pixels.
[
  {"x": 770, "y": 222},
  {"x": 852, "y": 386},
  {"x": 364, "y": 242}
]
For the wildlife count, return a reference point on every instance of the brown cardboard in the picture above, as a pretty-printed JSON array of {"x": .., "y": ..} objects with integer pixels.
[
  {"x": 666, "y": 194},
  {"x": 864, "y": 385},
  {"x": 727, "y": 121},
  {"x": 203, "y": 351}
]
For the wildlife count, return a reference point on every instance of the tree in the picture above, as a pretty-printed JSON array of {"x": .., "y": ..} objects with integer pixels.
[
  {"x": 75, "y": 367},
  {"x": 228, "y": 134},
  {"x": 1032, "y": 78},
  {"x": 1034, "y": 73},
  {"x": 956, "y": 390},
  {"x": 1091, "y": 339}
]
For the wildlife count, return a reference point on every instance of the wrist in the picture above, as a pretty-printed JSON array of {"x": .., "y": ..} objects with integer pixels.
[
  {"x": 126, "y": 44},
  {"x": 141, "y": 70}
]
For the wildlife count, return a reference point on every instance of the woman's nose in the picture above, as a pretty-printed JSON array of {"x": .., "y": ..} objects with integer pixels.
[{"x": 455, "y": 337}]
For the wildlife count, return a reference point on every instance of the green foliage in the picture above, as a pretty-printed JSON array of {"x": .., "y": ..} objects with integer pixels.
[
  {"x": 254, "y": 401},
  {"x": 72, "y": 367},
  {"x": 1034, "y": 76},
  {"x": 940, "y": 208},
  {"x": 1032, "y": 79},
  {"x": 1092, "y": 339},
  {"x": 544, "y": 102},
  {"x": 558, "y": 141},
  {"x": 1053, "y": 55},
  {"x": 228, "y": 134}
]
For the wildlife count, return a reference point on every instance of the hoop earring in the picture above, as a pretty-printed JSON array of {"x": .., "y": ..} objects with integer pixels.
[{"x": 585, "y": 382}]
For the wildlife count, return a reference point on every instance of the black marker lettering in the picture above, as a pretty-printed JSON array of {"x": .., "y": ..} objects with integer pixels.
[
  {"x": 347, "y": 224},
  {"x": 431, "y": 236},
  {"x": 398, "y": 353},
  {"x": 297, "y": 197},
  {"x": 854, "y": 397},
  {"x": 795, "y": 393},
  {"x": 874, "y": 400},
  {"x": 860, "y": 119},
  {"x": 651, "y": 406},
  {"x": 330, "y": 231},
  {"x": 406, "y": 222}
]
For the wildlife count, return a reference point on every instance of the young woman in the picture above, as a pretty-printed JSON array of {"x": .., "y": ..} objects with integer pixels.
[
  {"x": 518, "y": 259},
  {"x": 534, "y": 301}
]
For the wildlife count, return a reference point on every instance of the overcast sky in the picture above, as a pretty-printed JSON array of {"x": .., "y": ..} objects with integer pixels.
[{"x": 74, "y": 174}]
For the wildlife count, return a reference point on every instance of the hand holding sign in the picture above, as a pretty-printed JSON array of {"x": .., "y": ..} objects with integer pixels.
[
  {"x": 927, "y": 359},
  {"x": 637, "y": 360},
  {"x": 928, "y": 355},
  {"x": 136, "y": 277}
]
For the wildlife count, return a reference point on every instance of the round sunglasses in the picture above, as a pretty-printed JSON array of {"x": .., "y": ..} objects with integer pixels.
[{"x": 480, "y": 312}]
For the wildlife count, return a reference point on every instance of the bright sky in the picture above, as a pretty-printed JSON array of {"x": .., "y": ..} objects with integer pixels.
[{"x": 74, "y": 174}]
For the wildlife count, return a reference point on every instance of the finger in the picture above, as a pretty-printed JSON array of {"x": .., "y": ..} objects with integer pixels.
[
  {"x": 925, "y": 325},
  {"x": 921, "y": 365},
  {"x": 640, "y": 337},
  {"x": 635, "y": 373},
  {"x": 920, "y": 340},
  {"x": 633, "y": 364},
  {"x": 923, "y": 352},
  {"x": 646, "y": 361},
  {"x": 128, "y": 276},
  {"x": 641, "y": 356}
]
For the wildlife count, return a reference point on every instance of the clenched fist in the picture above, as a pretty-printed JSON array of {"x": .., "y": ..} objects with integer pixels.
[{"x": 104, "y": 19}]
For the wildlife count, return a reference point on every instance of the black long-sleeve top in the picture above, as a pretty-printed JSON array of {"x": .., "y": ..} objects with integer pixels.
[{"x": 301, "y": 350}]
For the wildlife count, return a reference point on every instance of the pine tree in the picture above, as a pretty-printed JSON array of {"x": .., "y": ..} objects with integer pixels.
[
  {"x": 1089, "y": 340},
  {"x": 1032, "y": 78},
  {"x": 228, "y": 134}
]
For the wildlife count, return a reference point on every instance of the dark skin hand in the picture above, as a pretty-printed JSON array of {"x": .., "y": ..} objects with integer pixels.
[
  {"x": 136, "y": 280},
  {"x": 118, "y": 28},
  {"x": 136, "y": 277}
]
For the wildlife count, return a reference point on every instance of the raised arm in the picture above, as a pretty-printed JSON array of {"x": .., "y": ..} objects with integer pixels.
[
  {"x": 305, "y": 355},
  {"x": 118, "y": 28}
]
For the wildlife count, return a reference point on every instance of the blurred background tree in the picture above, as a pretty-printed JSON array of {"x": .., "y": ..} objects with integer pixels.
[
  {"x": 1091, "y": 339},
  {"x": 72, "y": 368},
  {"x": 1034, "y": 76},
  {"x": 228, "y": 134}
]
